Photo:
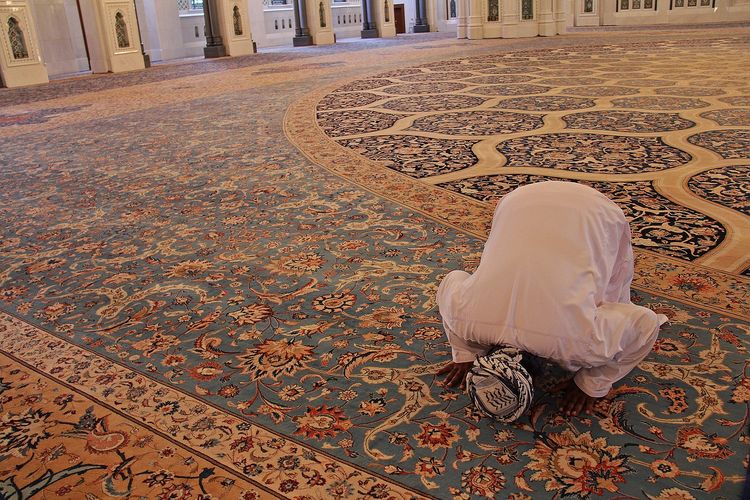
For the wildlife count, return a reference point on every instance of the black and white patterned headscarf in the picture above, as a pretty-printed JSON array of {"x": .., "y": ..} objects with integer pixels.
[{"x": 499, "y": 385}]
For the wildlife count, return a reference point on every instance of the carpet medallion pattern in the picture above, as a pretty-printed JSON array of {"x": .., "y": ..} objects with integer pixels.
[
  {"x": 191, "y": 311},
  {"x": 663, "y": 133}
]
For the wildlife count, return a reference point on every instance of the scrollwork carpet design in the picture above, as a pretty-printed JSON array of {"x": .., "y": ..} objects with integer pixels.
[{"x": 230, "y": 292}]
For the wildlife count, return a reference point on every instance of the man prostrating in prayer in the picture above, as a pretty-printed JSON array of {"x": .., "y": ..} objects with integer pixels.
[{"x": 554, "y": 283}]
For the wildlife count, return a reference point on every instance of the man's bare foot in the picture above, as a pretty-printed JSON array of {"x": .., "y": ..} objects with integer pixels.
[
  {"x": 575, "y": 401},
  {"x": 456, "y": 373}
]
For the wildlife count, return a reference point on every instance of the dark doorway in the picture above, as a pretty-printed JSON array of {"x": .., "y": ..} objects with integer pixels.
[{"x": 398, "y": 13}]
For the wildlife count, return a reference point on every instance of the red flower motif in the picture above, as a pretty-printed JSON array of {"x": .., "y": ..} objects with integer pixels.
[
  {"x": 694, "y": 283},
  {"x": 182, "y": 491},
  {"x": 206, "y": 371},
  {"x": 102, "y": 440},
  {"x": 702, "y": 445},
  {"x": 577, "y": 464},
  {"x": 437, "y": 436},
  {"x": 321, "y": 422},
  {"x": 482, "y": 481}
]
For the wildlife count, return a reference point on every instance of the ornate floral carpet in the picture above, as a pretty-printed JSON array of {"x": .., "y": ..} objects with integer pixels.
[{"x": 222, "y": 285}]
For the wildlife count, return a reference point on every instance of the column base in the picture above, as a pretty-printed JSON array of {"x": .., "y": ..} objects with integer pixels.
[
  {"x": 370, "y": 33},
  {"x": 475, "y": 32},
  {"x": 213, "y": 51},
  {"x": 302, "y": 41},
  {"x": 421, "y": 28},
  {"x": 547, "y": 28}
]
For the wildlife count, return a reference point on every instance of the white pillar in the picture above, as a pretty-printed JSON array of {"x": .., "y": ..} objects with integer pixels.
[
  {"x": 463, "y": 15},
  {"x": 431, "y": 16},
  {"x": 385, "y": 24},
  {"x": 561, "y": 16},
  {"x": 235, "y": 27},
  {"x": 21, "y": 61},
  {"x": 320, "y": 21},
  {"x": 58, "y": 30},
  {"x": 547, "y": 25},
  {"x": 474, "y": 21},
  {"x": 257, "y": 21},
  {"x": 112, "y": 35},
  {"x": 510, "y": 14},
  {"x": 161, "y": 30}
]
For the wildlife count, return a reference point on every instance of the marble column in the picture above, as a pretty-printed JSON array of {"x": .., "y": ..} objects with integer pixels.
[
  {"x": 111, "y": 35},
  {"x": 559, "y": 15},
  {"x": 474, "y": 21},
  {"x": 302, "y": 35},
  {"x": 510, "y": 13},
  {"x": 214, "y": 44},
  {"x": 369, "y": 29},
  {"x": 461, "y": 18},
  {"x": 420, "y": 22},
  {"x": 547, "y": 25},
  {"x": 319, "y": 19},
  {"x": 235, "y": 28},
  {"x": 384, "y": 17}
]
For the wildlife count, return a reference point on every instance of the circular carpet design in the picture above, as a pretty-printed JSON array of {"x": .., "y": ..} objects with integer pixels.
[{"x": 626, "y": 122}]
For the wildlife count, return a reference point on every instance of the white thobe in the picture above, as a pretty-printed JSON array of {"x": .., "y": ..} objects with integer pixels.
[{"x": 554, "y": 280}]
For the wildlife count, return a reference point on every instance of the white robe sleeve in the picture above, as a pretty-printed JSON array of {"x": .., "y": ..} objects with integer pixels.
[
  {"x": 624, "y": 337},
  {"x": 462, "y": 350}
]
